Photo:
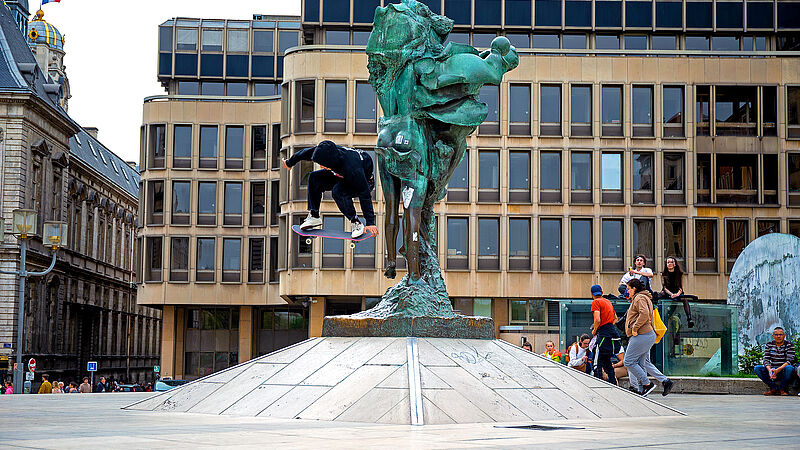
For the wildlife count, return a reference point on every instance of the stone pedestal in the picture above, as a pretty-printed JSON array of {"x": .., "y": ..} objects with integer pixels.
[{"x": 462, "y": 327}]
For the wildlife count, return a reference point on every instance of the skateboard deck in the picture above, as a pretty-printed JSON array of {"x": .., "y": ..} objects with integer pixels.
[{"x": 331, "y": 234}]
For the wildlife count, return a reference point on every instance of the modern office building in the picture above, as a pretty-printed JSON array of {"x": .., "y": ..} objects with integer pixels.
[
  {"x": 85, "y": 309},
  {"x": 637, "y": 127}
]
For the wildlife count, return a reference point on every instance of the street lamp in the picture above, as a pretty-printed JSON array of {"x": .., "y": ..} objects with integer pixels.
[{"x": 23, "y": 226}]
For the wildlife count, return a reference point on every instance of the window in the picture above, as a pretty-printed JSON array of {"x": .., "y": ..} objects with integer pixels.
[
  {"x": 182, "y": 147},
  {"x": 759, "y": 15},
  {"x": 550, "y": 114},
  {"x": 642, "y": 172},
  {"x": 735, "y": 110},
  {"x": 364, "y": 254},
  {"x": 794, "y": 178},
  {"x": 488, "y": 244},
  {"x": 366, "y": 108},
  {"x": 488, "y": 176},
  {"x": 644, "y": 240},
  {"x": 181, "y": 202},
  {"x": 237, "y": 40},
  {"x": 675, "y": 239},
  {"x": 490, "y": 95},
  {"x": 638, "y": 14},
  {"x": 669, "y": 15},
  {"x": 612, "y": 251},
  {"x": 305, "y": 101},
  {"x": 186, "y": 64},
  {"x": 518, "y": 13},
  {"x": 698, "y": 14},
  {"x": 211, "y": 66},
  {"x": 458, "y": 187},
  {"x": 550, "y": 244},
  {"x": 154, "y": 258},
  {"x": 658, "y": 42},
  {"x": 546, "y": 41},
  {"x": 205, "y": 259},
  {"x": 769, "y": 108},
  {"x": 579, "y": 13},
  {"x": 275, "y": 157},
  {"x": 550, "y": 177},
  {"x": 581, "y": 245},
  {"x": 238, "y": 89},
  {"x": 274, "y": 202},
  {"x": 487, "y": 12},
  {"x": 158, "y": 146},
  {"x": 529, "y": 312},
  {"x": 736, "y": 238},
  {"x": 234, "y": 147},
  {"x": 519, "y": 170},
  {"x": 207, "y": 203},
  {"x": 729, "y": 14},
  {"x": 608, "y": 14},
  {"x": 231, "y": 260},
  {"x": 255, "y": 260},
  {"x": 364, "y": 10},
  {"x": 703, "y": 111},
  {"x": 155, "y": 191},
  {"x": 606, "y": 42},
  {"x": 642, "y": 111},
  {"x": 287, "y": 40},
  {"x": 611, "y": 173},
  {"x": 262, "y": 41},
  {"x": 519, "y": 100},
  {"x": 612, "y": 111},
  {"x": 581, "y": 110},
  {"x": 213, "y": 88},
  {"x": 212, "y": 40},
  {"x": 672, "y": 103},
  {"x": 236, "y": 65},
  {"x": 673, "y": 178},
  {"x": 737, "y": 178},
  {"x": 258, "y": 145},
  {"x": 793, "y": 111},
  {"x": 768, "y": 226},
  {"x": 273, "y": 259},
  {"x": 574, "y": 41},
  {"x": 233, "y": 204},
  {"x": 725, "y": 43},
  {"x": 635, "y": 42},
  {"x": 581, "y": 177},
  {"x": 208, "y": 146},
  {"x": 179, "y": 259},
  {"x": 457, "y": 243},
  {"x": 705, "y": 245},
  {"x": 335, "y": 106},
  {"x": 548, "y": 13},
  {"x": 165, "y": 39},
  {"x": 186, "y": 39},
  {"x": 519, "y": 244},
  {"x": 258, "y": 203}
]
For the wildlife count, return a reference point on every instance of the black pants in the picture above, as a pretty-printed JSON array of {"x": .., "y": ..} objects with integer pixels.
[
  {"x": 606, "y": 347},
  {"x": 320, "y": 181}
]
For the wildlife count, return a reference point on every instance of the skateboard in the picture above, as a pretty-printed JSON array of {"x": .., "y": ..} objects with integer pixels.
[{"x": 312, "y": 233}]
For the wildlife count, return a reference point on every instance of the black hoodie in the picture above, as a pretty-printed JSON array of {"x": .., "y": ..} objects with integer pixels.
[{"x": 353, "y": 166}]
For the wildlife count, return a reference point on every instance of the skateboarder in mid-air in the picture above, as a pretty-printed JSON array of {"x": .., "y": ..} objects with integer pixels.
[{"x": 347, "y": 173}]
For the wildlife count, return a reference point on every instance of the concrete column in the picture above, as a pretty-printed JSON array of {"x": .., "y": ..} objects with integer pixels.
[
  {"x": 168, "y": 341},
  {"x": 316, "y": 312},
  {"x": 246, "y": 345},
  {"x": 499, "y": 314},
  {"x": 180, "y": 330}
]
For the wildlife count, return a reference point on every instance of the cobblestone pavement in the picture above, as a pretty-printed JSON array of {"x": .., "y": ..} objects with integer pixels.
[{"x": 96, "y": 421}]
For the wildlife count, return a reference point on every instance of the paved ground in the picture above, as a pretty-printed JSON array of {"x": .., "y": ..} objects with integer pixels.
[{"x": 96, "y": 421}]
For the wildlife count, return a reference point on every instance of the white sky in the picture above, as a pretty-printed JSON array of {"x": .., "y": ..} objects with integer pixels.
[{"x": 111, "y": 54}]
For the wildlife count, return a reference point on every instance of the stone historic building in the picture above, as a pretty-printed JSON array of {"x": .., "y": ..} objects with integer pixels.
[
  {"x": 85, "y": 309},
  {"x": 638, "y": 127}
]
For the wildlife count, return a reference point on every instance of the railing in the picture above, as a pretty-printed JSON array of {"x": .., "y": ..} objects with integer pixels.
[{"x": 211, "y": 98}]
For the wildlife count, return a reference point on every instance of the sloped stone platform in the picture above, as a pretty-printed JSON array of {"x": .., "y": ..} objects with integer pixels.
[
  {"x": 404, "y": 381},
  {"x": 462, "y": 327}
]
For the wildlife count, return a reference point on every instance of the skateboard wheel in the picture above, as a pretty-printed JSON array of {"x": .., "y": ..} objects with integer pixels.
[
  {"x": 308, "y": 241},
  {"x": 352, "y": 245}
]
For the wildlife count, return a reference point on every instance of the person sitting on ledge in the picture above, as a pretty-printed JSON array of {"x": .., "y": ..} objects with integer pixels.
[
  {"x": 639, "y": 271},
  {"x": 777, "y": 370},
  {"x": 672, "y": 287},
  {"x": 551, "y": 352},
  {"x": 579, "y": 355}
]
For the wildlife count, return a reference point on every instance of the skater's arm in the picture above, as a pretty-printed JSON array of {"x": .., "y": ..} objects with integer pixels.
[
  {"x": 596, "y": 323},
  {"x": 300, "y": 155}
]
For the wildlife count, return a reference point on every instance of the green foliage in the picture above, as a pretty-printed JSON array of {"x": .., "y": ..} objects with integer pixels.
[{"x": 750, "y": 359}]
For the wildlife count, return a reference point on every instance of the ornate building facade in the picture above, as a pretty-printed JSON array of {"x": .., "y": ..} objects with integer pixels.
[{"x": 85, "y": 309}]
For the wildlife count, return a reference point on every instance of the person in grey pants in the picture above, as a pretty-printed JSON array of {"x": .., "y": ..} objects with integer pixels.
[{"x": 642, "y": 337}]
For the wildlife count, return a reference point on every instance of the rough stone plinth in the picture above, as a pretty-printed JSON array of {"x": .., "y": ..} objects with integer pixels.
[{"x": 397, "y": 326}]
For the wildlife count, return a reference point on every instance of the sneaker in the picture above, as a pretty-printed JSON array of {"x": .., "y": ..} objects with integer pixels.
[
  {"x": 358, "y": 229},
  {"x": 667, "y": 387},
  {"x": 648, "y": 389},
  {"x": 311, "y": 222},
  {"x": 690, "y": 323},
  {"x": 634, "y": 390},
  {"x": 771, "y": 392}
]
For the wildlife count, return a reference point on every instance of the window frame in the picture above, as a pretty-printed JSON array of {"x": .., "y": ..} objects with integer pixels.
[
  {"x": 256, "y": 219},
  {"x": 609, "y": 263},
  {"x": 610, "y": 129},
  {"x": 552, "y": 263},
  {"x": 729, "y": 262},
  {"x": 643, "y": 130},
  {"x": 519, "y": 128},
  {"x": 581, "y": 196},
  {"x": 643, "y": 196},
  {"x": 520, "y": 263},
  {"x": 182, "y": 162},
  {"x": 488, "y": 263},
  {"x": 491, "y": 128},
  {"x": 335, "y": 125},
  {"x": 231, "y": 276},
  {"x": 179, "y": 275},
  {"x": 457, "y": 262},
  {"x": 180, "y": 218},
  {"x": 365, "y": 126},
  {"x": 548, "y": 129},
  {"x": 613, "y": 196},
  {"x": 489, "y": 194},
  {"x": 304, "y": 124},
  {"x": 519, "y": 195},
  {"x": 156, "y": 161},
  {"x": 581, "y": 263},
  {"x": 706, "y": 264},
  {"x": 673, "y": 130},
  {"x": 208, "y": 162},
  {"x": 673, "y": 196},
  {"x": 232, "y": 219},
  {"x": 202, "y": 275},
  {"x": 258, "y": 163},
  {"x": 548, "y": 195},
  {"x": 581, "y": 129}
]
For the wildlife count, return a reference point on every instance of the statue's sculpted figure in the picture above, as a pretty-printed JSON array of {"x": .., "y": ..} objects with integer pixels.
[{"x": 428, "y": 91}]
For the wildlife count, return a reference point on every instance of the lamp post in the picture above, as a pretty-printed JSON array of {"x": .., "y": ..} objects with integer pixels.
[{"x": 23, "y": 226}]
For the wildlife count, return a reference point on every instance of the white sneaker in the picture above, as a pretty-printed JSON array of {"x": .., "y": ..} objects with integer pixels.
[
  {"x": 358, "y": 229},
  {"x": 311, "y": 222}
]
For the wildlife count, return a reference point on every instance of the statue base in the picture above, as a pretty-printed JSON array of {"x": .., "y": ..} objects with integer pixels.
[{"x": 460, "y": 327}]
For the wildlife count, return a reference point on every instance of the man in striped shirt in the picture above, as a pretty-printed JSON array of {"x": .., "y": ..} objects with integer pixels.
[{"x": 777, "y": 369}]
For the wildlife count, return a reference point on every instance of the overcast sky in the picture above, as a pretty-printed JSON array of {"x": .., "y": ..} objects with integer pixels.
[{"x": 111, "y": 55}]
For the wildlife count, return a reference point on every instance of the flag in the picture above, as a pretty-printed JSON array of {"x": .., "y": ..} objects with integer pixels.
[{"x": 44, "y": 2}]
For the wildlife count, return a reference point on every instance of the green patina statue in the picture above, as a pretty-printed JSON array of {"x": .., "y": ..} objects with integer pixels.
[{"x": 429, "y": 95}]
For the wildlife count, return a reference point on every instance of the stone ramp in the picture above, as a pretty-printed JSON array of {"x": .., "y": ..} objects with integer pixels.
[{"x": 398, "y": 380}]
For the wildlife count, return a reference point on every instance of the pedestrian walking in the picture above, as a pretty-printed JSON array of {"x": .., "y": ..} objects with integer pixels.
[
  {"x": 46, "y": 387},
  {"x": 608, "y": 341},
  {"x": 102, "y": 386},
  {"x": 85, "y": 388}
]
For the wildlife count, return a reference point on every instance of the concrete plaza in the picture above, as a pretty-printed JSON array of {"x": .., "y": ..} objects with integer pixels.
[{"x": 96, "y": 421}]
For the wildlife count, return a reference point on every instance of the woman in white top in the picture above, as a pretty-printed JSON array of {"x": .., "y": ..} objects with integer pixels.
[
  {"x": 639, "y": 272},
  {"x": 578, "y": 357}
]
